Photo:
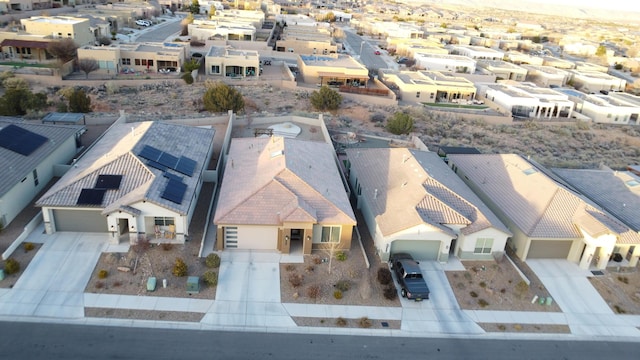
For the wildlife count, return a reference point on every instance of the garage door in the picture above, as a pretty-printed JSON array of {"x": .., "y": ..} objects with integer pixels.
[
  {"x": 80, "y": 221},
  {"x": 419, "y": 249},
  {"x": 541, "y": 249}
]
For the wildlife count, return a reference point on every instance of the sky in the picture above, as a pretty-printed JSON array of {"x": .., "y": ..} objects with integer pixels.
[{"x": 626, "y": 5}]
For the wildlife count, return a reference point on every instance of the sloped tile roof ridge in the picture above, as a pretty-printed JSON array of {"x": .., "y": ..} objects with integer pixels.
[
  {"x": 262, "y": 208},
  {"x": 431, "y": 207},
  {"x": 451, "y": 199}
]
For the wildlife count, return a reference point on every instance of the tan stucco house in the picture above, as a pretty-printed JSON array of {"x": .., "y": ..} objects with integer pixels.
[{"x": 282, "y": 194}]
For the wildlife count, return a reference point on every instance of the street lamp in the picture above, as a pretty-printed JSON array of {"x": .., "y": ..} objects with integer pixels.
[{"x": 361, "y": 45}]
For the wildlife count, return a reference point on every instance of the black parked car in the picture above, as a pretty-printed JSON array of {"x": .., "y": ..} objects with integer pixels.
[{"x": 412, "y": 284}]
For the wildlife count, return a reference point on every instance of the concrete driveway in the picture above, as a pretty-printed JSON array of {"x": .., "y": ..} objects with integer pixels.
[
  {"x": 53, "y": 284},
  {"x": 586, "y": 312},
  {"x": 441, "y": 313},
  {"x": 248, "y": 292}
]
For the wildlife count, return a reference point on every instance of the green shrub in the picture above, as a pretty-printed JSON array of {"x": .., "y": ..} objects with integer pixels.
[
  {"x": 483, "y": 303},
  {"x": 473, "y": 294},
  {"x": 290, "y": 267},
  {"x": 522, "y": 286},
  {"x": 482, "y": 284},
  {"x": 337, "y": 294},
  {"x": 102, "y": 274},
  {"x": 210, "y": 278},
  {"x": 180, "y": 268},
  {"x": 341, "y": 321},
  {"x": 187, "y": 78},
  {"x": 341, "y": 256},
  {"x": 11, "y": 266},
  {"x": 325, "y": 99},
  {"x": 400, "y": 124},
  {"x": 28, "y": 246},
  {"x": 390, "y": 292},
  {"x": 384, "y": 276},
  {"x": 212, "y": 261},
  {"x": 343, "y": 285}
]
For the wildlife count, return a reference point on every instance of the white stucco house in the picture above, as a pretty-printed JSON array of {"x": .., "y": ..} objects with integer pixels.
[
  {"x": 412, "y": 202},
  {"x": 29, "y": 152},
  {"x": 528, "y": 101},
  {"x": 140, "y": 179}
]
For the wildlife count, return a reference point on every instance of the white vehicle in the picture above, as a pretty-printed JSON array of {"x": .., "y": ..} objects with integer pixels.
[{"x": 143, "y": 23}]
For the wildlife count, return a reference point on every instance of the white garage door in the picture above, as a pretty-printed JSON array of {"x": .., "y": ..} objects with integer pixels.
[
  {"x": 419, "y": 249},
  {"x": 80, "y": 221},
  {"x": 545, "y": 249}
]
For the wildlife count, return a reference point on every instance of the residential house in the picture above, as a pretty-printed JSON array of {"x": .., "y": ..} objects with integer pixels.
[
  {"x": 528, "y": 101},
  {"x": 547, "y": 219},
  {"x": 221, "y": 30},
  {"x": 503, "y": 70},
  {"x": 139, "y": 179},
  {"x": 61, "y": 27},
  {"x": 546, "y": 76},
  {"x": 24, "y": 5},
  {"x": 558, "y": 63},
  {"x": 452, "y": 63},
  {"x": 429, "y": 86},
  {"x": 17, "y": 46},
  {"x": 607, "y": 109},
  {"x": 520, "y": 58},
  {"x": 595, "y": 81},
  {"x": 137, "y": 57},
  {"x": 282, "y": 194},
  {"x": 412, "y": 202},
  {"x": 306, "y": 40},
  {"x": 29, "y": 153},
  {"x": 476, "y": 52},
  {"x": 231, "y": 62},
  {"x": 332, "y": 69},
  {"x": 618, "y": 193}
]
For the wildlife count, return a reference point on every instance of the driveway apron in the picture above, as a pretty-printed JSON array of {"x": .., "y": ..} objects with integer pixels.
[{"x": 53, "y": 284}]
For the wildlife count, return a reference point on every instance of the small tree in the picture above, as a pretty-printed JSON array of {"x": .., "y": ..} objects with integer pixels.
[
  {"x": 88, "y": 66},
  {"x": 104, "y": 40},
  {"x": 325, "y": 99},
  {"x": 191, "y": 65},
  {"x": 194, "y": 8},
  {"x": 64, "y": 50},
  {"x": 79, "y": 102},
  {"x": 601, "y": 51},
  {"x": 220, "y": 97},
  {"x": 184, "y": 24},
  {"x": 400, "y": 123}
]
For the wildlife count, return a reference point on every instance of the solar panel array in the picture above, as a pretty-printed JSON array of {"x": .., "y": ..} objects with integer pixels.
[
  {"x": 162, "y": 161},
  {"x": 108, "y": 182},
  {"x": 91, "y": 197},
  {"x": 174, "y": 191},
  {"x": 20, "y": 140}
]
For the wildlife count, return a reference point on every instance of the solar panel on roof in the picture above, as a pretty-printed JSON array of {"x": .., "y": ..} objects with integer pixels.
[
  {"x": 150, "y": 153},
  {"x": 91, "y": 197},
  {"x": 154, "y": 164},
  {"x": 172, "y": 176},
  {"x": 185, "y": 166},
  {"x": 168, "y": 160},
  {"x": 108, "y": 182},
  {"x": 174, "y": 191},
  {"x": 20, "y": 140}
]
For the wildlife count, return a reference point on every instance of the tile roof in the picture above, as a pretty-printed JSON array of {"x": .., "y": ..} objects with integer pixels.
[
  {"x": 537, "y": 205},
  {"x": 268, "y": 181},
  {"x": 117, "y": 154},
  {"x": 618, "y": 192},
  {"x": 16, "y": 166},
  {"x": 407, "y": 188}
]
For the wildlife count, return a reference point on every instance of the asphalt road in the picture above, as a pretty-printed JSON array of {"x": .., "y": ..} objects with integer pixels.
[
  {"x": 367, "y": 56},
  {"x": 160, "y": 32},
  {"x": 56, "y": 341}
]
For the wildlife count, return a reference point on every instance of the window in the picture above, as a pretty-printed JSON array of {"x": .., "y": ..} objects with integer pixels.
[
  {"x": 330, "y": 234},
  {"x": 163, "y": 221},
  {"x": 483, "y": 246},
  {"x": 418, "y": 94},
  {"x": 144, "y": 61},
  {"x": 215, "y": 69},
  {"x": 35, "y": 177},
  {"x": 150, "y": 62},
  {"x": 137, "y": 62},
  {"x": 126, "y": 61}
]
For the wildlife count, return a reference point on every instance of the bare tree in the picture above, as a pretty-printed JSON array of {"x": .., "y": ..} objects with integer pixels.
[
  {"x": 88, "y": 66},
  {"x": 65, "y": 49}
]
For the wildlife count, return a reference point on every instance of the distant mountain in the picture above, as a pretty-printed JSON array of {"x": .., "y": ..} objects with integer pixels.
[{"x": 566, "y": 8}]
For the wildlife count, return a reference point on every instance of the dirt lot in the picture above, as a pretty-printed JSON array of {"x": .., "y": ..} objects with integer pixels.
[{"x": 621, "y": 290}]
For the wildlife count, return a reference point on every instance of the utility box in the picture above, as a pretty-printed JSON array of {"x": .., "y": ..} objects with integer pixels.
[
  {"x": 151, "y": 284},
  {"x": 193, "y": 284},
  {"x": 1, "y": 274}
]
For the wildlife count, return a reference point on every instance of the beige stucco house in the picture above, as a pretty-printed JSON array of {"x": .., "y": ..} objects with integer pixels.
[
  {"x": 547, "y": 219},
  {"x": 332, "y": 69},
  {"x": 429, "y": 86},
  {"x": 412, "y": 202},
  {"x": 60, "y": 27},
  {"x": 137, "y": 57},
  {"x": 282, "y": 194},
  {"x": 228, "y": 62}
]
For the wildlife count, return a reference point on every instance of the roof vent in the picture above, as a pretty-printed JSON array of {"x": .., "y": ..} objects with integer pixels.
[
  {"x": 375, "y": 193},
  {"x": 277, "y": 153}
]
